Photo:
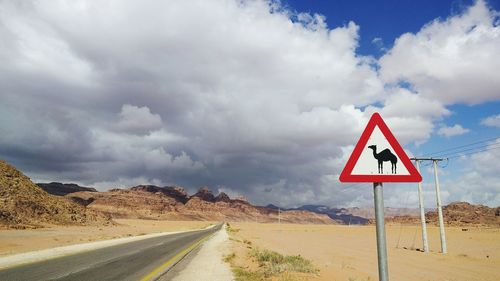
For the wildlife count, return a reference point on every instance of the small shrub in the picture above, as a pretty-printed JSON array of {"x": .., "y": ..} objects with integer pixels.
[
  {"x": 232, "y": 230},
  {"x": 229, "y": 257},
  {"x": 272, "y": 262},
  {"x": 242, "y": 274}
]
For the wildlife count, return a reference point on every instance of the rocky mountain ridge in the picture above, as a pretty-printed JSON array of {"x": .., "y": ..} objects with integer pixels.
[
  {"x": 24, "y": 204},
  {"x": 173, "y": 203},
  {"x": 61, "y": 189}
]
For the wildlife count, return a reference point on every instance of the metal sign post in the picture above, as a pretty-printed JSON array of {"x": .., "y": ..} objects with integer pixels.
[
  {"x": 377, "y": 145},
  {"x": 378, "y": 196}
]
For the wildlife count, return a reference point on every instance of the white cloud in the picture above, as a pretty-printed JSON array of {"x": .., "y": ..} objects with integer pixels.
[
  {"x": 379, "y": 43},
  {"x": 409, "y": 114},
  {"x": 455, "y": 130},
  {"x": 138, "y": 120},
  {"x": 451, "y": 61},
  {"x": 247, "y": 98},
  {"x": 243, "y": 95},
  {"x": 478, "y": 182},
  {"x": 492, "y": 121}
]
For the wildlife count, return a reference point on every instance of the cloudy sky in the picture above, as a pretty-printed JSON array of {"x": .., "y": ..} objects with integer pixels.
[{"x": 258, "y": 98}]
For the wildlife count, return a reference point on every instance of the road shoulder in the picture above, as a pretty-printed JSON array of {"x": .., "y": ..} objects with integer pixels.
[{"x": 204, "y": 263}]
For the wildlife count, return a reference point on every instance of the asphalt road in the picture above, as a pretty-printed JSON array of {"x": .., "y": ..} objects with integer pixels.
[{"x": 130, "y": 261}]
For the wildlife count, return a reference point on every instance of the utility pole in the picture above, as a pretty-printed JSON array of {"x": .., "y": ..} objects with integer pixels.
[
  {"x": 422, "y": 212},
  {"x": 442, "y": 235},
  {"x": 440, "y": 211},
  {"x": 279, "y": 215}
]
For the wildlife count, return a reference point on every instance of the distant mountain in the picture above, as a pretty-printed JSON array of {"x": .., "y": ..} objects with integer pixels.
[
  {"x": 389, "y": 212},
  {"x": 355, "y": 215},
  {"x": 458, "y": 214},
  {"x": 61, "y": 189},
  {"x": 273, "y": 207},
  {"x": 205, "y": 194},
  {"x": 314, "y": 208},
  {"x": 341, "y": 215},
  {"x": 24, "y": 204},
  {"x": 175, "y": 192},
  {"x": 173, "y": 203}
]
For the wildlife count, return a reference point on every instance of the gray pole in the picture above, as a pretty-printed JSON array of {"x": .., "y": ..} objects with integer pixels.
[
  {"x": 440, "y": 211},
  {"x": 279, "y": 215},
  {"x": 422, "y": 212},
  {"x": 378, "y": 197}
]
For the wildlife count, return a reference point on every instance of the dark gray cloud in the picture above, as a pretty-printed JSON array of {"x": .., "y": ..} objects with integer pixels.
[{"x": 230, "y": 94}]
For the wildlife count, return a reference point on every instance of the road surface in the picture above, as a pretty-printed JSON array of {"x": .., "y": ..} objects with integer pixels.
[{"x": 131, "y": 261}]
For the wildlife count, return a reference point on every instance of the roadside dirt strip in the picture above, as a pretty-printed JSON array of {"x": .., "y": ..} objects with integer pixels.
[{"x": 205, "y": 263}]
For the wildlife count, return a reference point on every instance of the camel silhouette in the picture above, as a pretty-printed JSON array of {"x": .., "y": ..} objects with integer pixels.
[{"x": 383, "y": 156}]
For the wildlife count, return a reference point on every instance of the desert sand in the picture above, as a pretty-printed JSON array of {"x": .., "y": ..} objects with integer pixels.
[
  {"x": 19, "y": 241},
  {"x": 349, "y": 252}
]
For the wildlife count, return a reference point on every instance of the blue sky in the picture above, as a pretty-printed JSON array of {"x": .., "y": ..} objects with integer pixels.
[
  {"x": 388, "y": 20},
  {"x": 261, "y": 98},
  {"x": 381, "y": 23},
  {"x": 385, "y": 19}
]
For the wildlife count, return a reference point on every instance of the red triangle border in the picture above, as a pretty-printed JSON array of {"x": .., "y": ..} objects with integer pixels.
[{"x": 376, "y": 120}]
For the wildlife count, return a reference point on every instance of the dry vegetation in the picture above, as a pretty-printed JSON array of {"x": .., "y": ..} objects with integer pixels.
[
  {"x": 349, "y": 253},
  {"x": 251, "y": 263}
]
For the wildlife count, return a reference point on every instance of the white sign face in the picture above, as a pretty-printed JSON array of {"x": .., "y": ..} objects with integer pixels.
[{"x": 379, "y": 158}]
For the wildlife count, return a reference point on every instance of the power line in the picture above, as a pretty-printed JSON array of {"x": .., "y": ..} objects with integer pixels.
[
  {"x": 469, "y": 149},
  {"x": 462, "y": 146},
  {"x": 459, "y": 154},
  {"x": 446, "y": 164},
  {"x": 474, "y": 152}
]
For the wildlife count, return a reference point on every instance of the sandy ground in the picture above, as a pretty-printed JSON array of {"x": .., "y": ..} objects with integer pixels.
[
  {"x": 206, "y": 263},
  {"x": 349, "y": 253},
  {"x": 20, "y": 241}
]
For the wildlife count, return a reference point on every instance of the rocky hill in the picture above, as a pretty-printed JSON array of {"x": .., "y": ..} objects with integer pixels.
[
  {"x": 175, "y": 192},
  {"x": 61, "y": 189},
  {"x": 173, "y": 203},
  {"x": 463, "y": 213},
  {"x": 24, "y": 204},
  {"x": 458, "y": 214}
]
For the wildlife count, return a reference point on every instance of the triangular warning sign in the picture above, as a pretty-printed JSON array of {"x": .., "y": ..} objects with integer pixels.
[{"x": 378, "y": 157}]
